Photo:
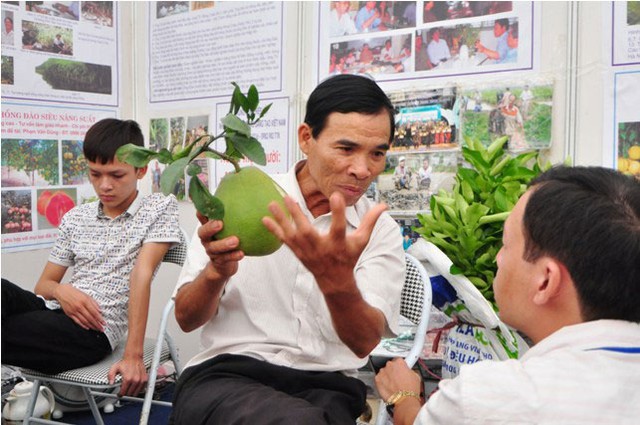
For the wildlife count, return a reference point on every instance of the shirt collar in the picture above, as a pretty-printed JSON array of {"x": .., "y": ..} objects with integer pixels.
[
  {"x": 130, "y": 212},
  {"x": 351, "y": 213}
]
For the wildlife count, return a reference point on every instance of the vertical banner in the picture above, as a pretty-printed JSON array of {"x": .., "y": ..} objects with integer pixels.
[{"x": 44, "y": 173}]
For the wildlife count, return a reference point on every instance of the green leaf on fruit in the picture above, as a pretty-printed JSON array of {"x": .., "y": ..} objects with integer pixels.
[
  {"x": 207, "y": 204},
  {"x": 249, "y": 147}
]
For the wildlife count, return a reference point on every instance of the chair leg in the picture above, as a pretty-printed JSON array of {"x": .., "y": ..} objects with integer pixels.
[
  {"x": 93, "y": 406},
  {"x": 32, "y": 402}
]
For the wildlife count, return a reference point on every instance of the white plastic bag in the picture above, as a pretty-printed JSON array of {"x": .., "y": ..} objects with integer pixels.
[{"x": 479, "y": 335}]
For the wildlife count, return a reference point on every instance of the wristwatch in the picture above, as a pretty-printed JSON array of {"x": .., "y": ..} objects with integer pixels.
[{"x": 398, "y": 396}]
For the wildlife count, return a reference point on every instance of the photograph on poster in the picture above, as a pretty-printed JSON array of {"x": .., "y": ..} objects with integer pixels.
[
  {"x": 60, "y": 9},
  {"x": 7, "y": 70},
  {"x": 436, "y": 11},
  {"x": 16, "y": 211},
  {"x": 425, "y": 120},
  {"x": 349, "y": 17},
  {"x": 633, "y": 13},
  {"x": 29, "y": 162},
  {"x": 74, "y": 164},
  {"x": 63, "y": 74},
  {"x": 466, "y": 47},
  {"x": 382, "y": 55},
  {"x": 522, "y": 112},
  {"x": 158, "y": 134},
  {"x": 168, "y": 8},
  {"x": 409, "y": 235},
  {"x": 155, "y": 170},
  {"x": 7, "y": 28},
  {"x": 177, "y": 132},
  {"x": 53, "y": 204},
  {"x": 47, "y": 38},
  {"x": 198, "y": 5},
  {"x": 409, "y": 180},
  {"x": 98, "y": 12},
  {"x": 629, "y": 148},
  {"x": 196, "y": 126}
]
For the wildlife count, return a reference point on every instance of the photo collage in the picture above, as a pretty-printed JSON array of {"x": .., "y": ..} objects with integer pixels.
[
  {"x": 432, "y": 126},
  {"x": 385, "y": 38}
]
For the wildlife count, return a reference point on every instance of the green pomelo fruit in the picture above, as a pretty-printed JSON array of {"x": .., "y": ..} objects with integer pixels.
[{"x": 246, "y": 196}]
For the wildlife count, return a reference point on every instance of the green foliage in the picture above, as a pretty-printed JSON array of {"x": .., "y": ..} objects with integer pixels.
[
  {"x": 159, "y": 133},
  {"x": 537, "y": 128},
  {"x": 467, "y": 223},
  {"x": 633, "y": 12},
  {"x": 63, "y": 74},
  {"x": 32, "y": 156},
  {"x": 628, "y": 135},
  {"x": 7, "y": 69},
  {"x": 476, "y": 125},
  {"x": 239, "y": 145}
]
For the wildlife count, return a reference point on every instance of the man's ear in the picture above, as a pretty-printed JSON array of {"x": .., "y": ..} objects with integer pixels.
[
  {"x": 550, "y": 276},
  {"x": 305, "y": 137},
  {"x": 141, "y": 171}
]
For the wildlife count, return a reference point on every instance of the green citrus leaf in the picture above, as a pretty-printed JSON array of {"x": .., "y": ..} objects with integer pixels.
[
  {"x": 207, "y": 204},
  {"x": 135, "y": 155},
  {"x": 172, "y": 174},
  {"x": 249, "y": 147},
  {"x": 232, "y": 122}
]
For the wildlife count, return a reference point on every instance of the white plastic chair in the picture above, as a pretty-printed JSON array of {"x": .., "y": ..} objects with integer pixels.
[
  {"x": 415, "y": 305},
  {"x": 93, "y": 379}
]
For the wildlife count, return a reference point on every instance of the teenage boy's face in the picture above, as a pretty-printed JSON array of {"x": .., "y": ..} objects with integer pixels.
[{"x": 116, "y": 184}]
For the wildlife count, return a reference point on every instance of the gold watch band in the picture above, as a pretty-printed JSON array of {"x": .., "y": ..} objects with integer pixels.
[{"x": 399, "y": 395}]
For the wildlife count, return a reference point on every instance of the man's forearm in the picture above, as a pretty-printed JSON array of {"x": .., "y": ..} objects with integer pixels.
[
  {"x": 359, "y": 325},
  {"x": 197, "y": 301}
]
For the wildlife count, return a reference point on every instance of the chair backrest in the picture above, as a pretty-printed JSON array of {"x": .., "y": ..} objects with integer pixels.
[
  {"x": 415, "y": 303},
  {"x": 177, "y": 254}
]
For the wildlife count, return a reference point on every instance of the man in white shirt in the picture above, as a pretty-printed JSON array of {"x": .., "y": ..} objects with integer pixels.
[
  {"x": 284, "y": 334},
  {"x": 569, "y": 278},
  {"x": 340, "y": 22},
  {"x": 437, "y": 49}
]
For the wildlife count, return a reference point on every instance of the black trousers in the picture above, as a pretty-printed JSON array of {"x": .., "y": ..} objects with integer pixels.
[
  {"x": 232, "y": 389},
  {"x": 45, "y": 340}
]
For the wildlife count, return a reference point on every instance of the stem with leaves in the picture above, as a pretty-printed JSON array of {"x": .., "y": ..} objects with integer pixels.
[{"x": 239, "y": 144}]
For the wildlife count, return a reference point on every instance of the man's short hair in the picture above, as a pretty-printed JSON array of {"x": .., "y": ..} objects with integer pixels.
[
  {"x": 588, "y": 218},
  {"x": 104, "y": 138},
  {"x": 346, "y": 93},
  {"x": 503, "y": 22},
  {"x": 514, "y": 30}
]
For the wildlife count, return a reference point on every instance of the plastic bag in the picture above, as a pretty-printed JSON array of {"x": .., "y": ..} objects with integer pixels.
[{"x": 478, "y": 334}]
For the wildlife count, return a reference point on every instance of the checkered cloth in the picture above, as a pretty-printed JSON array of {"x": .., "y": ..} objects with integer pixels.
[
  {"x": 413, "y": 291},
  {"x": 96, "y": 374}
]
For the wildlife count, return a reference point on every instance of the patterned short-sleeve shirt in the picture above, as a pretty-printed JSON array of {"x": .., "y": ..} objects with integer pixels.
[{"x": 102, "y": 251}]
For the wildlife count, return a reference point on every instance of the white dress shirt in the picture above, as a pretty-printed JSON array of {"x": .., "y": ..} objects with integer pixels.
[
  {"x": 582, "y": 374},
  {"x": 273, "y": 310}
]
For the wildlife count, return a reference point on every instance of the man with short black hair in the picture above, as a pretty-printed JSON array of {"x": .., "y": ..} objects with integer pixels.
[
  {"x": 569, "y": 278},
  {"x": 284, "y": 334},
  {"x": 115, "y": 246}
]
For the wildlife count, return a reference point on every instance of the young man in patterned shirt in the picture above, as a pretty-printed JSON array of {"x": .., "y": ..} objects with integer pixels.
[{"x": 115, "y": 246}]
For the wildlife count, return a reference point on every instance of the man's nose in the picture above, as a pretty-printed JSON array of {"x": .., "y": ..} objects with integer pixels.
[{"x": 360, "y": 168}]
